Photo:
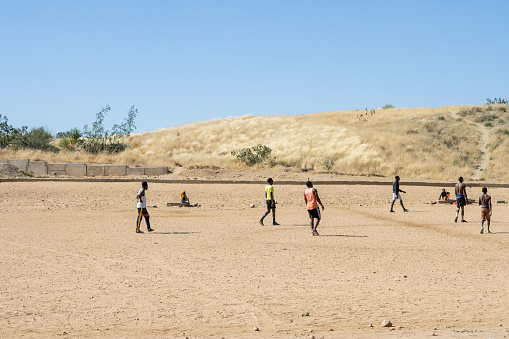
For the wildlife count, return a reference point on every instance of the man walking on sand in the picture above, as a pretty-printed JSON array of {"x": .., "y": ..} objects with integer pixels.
[
  {"x": 396, "y": 195},
  {"x": 312, "y": 200},
  {"x": 142, "y": 208},
  {"x": 486, "y": 209},
  {"x": 460, "y": 190},
  {"x": 270, "y": 202}
]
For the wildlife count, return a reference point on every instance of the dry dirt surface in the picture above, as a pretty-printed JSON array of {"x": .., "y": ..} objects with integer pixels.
[
  {"x": 72, "y": 265},
  {"x": 9, "y": 171}
]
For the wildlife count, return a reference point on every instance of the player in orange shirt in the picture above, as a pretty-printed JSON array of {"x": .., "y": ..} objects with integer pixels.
[{"x": 312, "y": 200}]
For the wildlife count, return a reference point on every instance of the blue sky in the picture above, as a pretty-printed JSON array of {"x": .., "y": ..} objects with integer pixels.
[{"x": 184, "y": 61}]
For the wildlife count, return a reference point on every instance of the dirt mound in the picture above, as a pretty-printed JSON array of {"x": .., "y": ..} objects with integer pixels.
[{"x": 9, "y": 171}]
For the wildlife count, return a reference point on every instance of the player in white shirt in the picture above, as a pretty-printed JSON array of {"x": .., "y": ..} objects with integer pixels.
[{"x": 142, "y": 208}]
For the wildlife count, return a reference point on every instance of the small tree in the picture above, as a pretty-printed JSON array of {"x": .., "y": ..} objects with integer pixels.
[
  {"x": 37, "y": 138},
  {"x": 9, "y": 134},
  {"x": 97, "y": 139}
]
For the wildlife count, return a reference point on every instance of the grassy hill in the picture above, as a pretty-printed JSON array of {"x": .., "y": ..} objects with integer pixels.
[{"x": 426, "y": 143}]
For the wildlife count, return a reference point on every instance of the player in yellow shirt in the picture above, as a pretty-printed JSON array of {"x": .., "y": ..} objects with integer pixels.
[{"x": 270, "y": 202}]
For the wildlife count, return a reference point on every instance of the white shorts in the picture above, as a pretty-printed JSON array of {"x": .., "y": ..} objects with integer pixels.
[{"x": 396, "y": 196}]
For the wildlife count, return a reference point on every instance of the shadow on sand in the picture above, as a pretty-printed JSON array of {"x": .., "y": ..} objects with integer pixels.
[
  {"x": 343, "y": 235},
  {"x": 155, "y": 232}
]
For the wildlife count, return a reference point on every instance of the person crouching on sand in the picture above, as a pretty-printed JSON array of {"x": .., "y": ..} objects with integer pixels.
[
  {"x": 312, "y": 200},
  {"x": 183, "y": 198}
]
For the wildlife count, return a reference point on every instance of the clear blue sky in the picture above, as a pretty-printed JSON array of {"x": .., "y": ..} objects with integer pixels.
[{"x": 184, "y": 61}]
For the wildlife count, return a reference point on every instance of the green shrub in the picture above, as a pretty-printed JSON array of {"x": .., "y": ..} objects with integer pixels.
[
  {"x": 388, "y": 106},
  {"x": 37, "y": 138},
  {"x": 9, "y": 134},
  {"x": 70, "y": 139},
  {"x": 329, "y": 163},
  {"x": 502, "y": 109},
  {"x": 488, "y": 124},
  {"x": 441, "y": 118},
  {"x": 253, "y": 155}
]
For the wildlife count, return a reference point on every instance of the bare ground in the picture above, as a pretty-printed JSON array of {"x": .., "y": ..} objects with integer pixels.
[{"x": 73, "y": 267}]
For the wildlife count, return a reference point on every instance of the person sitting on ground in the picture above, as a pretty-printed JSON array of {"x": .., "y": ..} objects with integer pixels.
[
  {"x": 183, "y": 199},
  {"x": 444, "y": 195}
]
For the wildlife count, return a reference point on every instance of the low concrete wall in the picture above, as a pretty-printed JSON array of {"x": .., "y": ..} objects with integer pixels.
[
  {"x": 135, "y": 170},
  {"x": 76, "y": 170},
  {"x": 156, "y": 170},
  {"x": 118, "y": 170},
  {"x": 38, "y": 167},
  {"x": 95, "y": 170},
  {"x": 41, "y": 168},
  {"x": 21, "y": 164},
  {"x": 56, "y": 169}
]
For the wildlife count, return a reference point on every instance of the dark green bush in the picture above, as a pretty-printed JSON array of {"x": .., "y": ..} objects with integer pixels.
[
  {"x": 253, "y": 155},
  {"x": 37, "y": 138}
]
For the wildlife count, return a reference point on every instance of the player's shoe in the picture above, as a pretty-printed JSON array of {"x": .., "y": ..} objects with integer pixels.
[
  {"x": 482, "y": 231},
  {"x": 139, "y": 231},
  {"x": 315, "y": 233},
  {"x": 391, "y": 211},
  {"x": 275, "y": 224},
  {"x": 261, "y": 222},
  {"x": 464, "y": 221},
  {"x": 489, "y": 232},
  {"x": 150, "y": 230},
  {"x": 405, "y": 210}
]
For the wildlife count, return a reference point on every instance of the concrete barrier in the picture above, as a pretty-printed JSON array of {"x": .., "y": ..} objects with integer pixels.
[
  {"x": 118, "y": 170},
  {"x": 21, "y": 164},
  {"x": 156, "y": 170},
  {"x": 4, "y": 161},
  {"x": 56, "y": 168},
  {"x": 76, "y": 170},
  {"x": 38, "y": 167},
  {"x": 135, "y": 170},
  {"x": 95, "y": 170}
]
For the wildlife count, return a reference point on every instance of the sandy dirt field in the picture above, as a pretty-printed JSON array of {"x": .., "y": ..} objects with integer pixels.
[{"x": 72, "y": 265}]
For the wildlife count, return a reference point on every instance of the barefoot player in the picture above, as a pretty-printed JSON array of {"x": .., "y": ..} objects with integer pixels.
[
  {"x": 460, "y": 190},
  {"x": 142, "y": 208},
  {"x": 270, "y": 202},
  {"x": 312, "y": 200},
  {"x": 486, "y": 209}
]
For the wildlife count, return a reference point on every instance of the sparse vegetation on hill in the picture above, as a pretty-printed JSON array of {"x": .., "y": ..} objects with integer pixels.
[{"x": 425, "y": 143}]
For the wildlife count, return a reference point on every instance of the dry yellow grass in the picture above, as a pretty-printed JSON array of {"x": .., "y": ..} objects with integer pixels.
[{"x": 425, "y": 143}]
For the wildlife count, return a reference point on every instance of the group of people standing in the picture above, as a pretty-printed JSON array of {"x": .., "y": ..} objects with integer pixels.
[{"x": 311, "y": 200}]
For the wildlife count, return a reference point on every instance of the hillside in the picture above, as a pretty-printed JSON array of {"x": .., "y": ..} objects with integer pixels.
[{"x": 421, "y": 143}]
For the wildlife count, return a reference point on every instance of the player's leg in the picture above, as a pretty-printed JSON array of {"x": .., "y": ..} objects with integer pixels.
[
  {"x": 138, "y": 220},
  {"x": 266, "y": 212},
  {"x": 274, "y": 215},
  {"x": 147, "y": 219},
  {"x": 394, "y": 197}
]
